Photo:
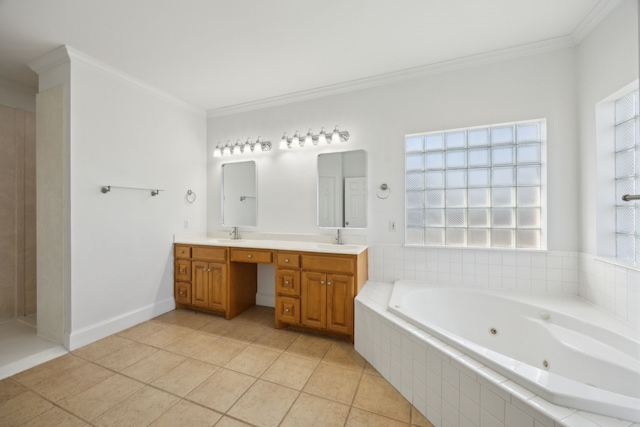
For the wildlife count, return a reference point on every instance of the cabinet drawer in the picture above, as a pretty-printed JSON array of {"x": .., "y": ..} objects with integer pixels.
[
  {"x": 181, "y": 251},
  {"x": 288, "y": 282},
  {"x": 338, "y": 264},
  {"x": 288, "y": 310},
  {"x": 288, "y": 260},
  {"x": 210, "y": 254},
  {"x": 183, "y": 270},
  {"x": 183, "y": 293},
  {"x": 251, "y": 255}
]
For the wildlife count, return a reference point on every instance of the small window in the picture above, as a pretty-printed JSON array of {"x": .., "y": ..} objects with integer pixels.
[
  {"x": 477, "y": 187},
  {"x": 627, "y": 176}
]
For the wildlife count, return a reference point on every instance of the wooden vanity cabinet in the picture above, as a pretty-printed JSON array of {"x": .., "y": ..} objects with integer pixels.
[
  {"x": 313, "y": 290},
  {"x": 217, "y": 279},
  {"x": 324, "y": 299},
  {"x": 201, "y": 277},
  {"x": 182, "y": 274},
  {"x": 288, "y": 274},
  {"x": 183, "y": 293},
  {"x": 327, "y": 301},
  {"x": 209, "y": 286},
  {"x": 287, "y": 289}
]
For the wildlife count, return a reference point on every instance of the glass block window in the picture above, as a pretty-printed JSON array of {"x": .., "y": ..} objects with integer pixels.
[
  {"x": 627, "y": 175},
  {"x": 477, "y": 187}
]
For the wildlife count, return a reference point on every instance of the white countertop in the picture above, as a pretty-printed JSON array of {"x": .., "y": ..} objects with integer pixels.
[{"x": 286, "y": 245}]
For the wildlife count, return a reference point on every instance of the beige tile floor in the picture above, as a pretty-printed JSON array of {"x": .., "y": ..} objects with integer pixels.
[{"x": 192, "y": 369}]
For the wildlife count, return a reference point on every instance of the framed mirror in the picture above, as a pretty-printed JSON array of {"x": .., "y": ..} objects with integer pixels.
[
  {"x": 342, "y": 189},
  {"x": 239, "y": 194}
]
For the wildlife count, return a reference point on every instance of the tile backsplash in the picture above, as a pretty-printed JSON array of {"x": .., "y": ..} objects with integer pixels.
[{"x": 614, "y": 288}]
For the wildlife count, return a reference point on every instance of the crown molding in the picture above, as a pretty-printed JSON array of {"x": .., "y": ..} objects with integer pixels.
[
  {"x": 58, "y": 56},
  {"x": 65, "y": 54},
  {"x": 79, "y": 56},
  {"x": 597, "y": 14},
  {"x": 397, "y": 76}
]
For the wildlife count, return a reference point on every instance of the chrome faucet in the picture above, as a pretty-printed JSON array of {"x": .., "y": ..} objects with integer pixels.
[
  {"x": 234, "y": 234},
  {"x": 339, "y": 237}
]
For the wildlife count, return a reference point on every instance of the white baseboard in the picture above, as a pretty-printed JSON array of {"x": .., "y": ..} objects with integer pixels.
[{"x": 119, "y": 323}]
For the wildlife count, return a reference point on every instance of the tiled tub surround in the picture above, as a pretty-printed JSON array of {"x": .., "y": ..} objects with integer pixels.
[
  {"x": 612, "y": 287},
  {"x": 447, "y": 386}
]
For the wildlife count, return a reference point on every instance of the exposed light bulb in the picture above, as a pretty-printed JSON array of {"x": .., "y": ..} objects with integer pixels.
[
  {"x": 284, "y": 144},
  {"x": 322, "y": 138},
  {"x": 335, "y": 136},
  {"x": 309, "y": 138}
]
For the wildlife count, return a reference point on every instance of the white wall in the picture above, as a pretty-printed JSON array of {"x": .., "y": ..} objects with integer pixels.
[
  {"x": 122, "y": 132},
  {"x": 538, "y": 86},
  {"x": 607, "y": 60}
]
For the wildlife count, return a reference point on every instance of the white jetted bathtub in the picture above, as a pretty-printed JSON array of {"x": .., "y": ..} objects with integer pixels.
[{"x": 559, "y": 347}]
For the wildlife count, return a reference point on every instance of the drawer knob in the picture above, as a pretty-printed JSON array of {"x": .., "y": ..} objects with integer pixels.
[
  {"x": 249, "y": 256},
  {"x": 328, "y": 283},
  {"x": 286, "y": 282},
  {"x": 322, "y": 282},
  {"x": 181, "y": 271},
  {"x": 181, "y": 293},
  {"x": 286, "y": 310},
  {"x": 181, "y": 252},
  {"x": 286, "y": 260}
]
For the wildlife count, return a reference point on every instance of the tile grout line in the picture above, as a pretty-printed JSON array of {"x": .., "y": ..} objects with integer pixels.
[{"x": 322, "y": 361}]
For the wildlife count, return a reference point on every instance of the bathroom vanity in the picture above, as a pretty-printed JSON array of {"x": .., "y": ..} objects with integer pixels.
[{"x": 316, "y": 283}]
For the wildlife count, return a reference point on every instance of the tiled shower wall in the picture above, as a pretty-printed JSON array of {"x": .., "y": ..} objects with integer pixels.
[
  {"x": 614, "y": 288},
  {"x": 17, "y": 213}
]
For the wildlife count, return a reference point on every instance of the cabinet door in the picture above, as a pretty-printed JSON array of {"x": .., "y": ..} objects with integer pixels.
[
  {"x": 288, "y": 282},
  {"x": 313, "y": 300},
  {"x": 200, "y": 288},
  {"x": 183, "y": 293},
  {"x": 340, "y": 303},
  {"x": 183, "y": 270},
  {"x": 217, "y": 286},
  {"x": 288, "y": 310}
]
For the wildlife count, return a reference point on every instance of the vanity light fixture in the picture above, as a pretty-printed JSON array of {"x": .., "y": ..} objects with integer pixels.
[
  {"x": 310, "y": 139},
  {"x": 239, "y": 147}
]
